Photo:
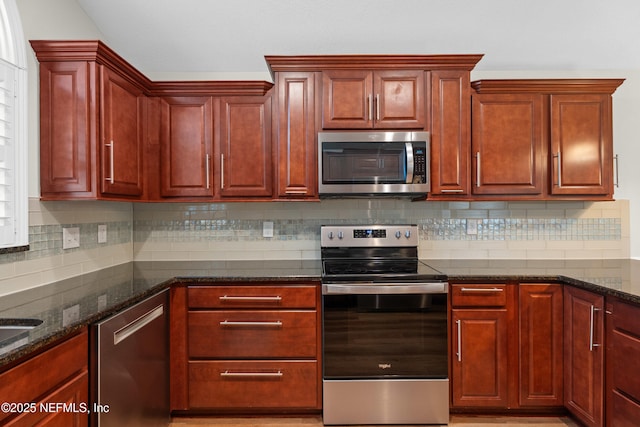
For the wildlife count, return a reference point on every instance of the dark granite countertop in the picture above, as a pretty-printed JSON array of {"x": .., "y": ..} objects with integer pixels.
[{"x": 102, "y": 293}]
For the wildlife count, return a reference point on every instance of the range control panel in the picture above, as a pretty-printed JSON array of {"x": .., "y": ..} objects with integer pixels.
[{"x": 368, "y": 235}]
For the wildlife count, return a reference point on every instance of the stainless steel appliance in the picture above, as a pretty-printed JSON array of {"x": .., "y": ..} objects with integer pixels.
[
  {"x": 131, "y": 361},
  {"x": 384, "y": 328},
  {"x": 362, "y": 163}
]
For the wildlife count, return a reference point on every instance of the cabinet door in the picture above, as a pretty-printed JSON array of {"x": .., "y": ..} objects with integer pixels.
[
  {"x": 507, "y": 144},
  {"x": 74, "y": 394},
  {"x": 584, "y": 355},
  {"x": 245, "y": 146},
  {"x": 541, "y": 331},
  {"x": 480, "y": 354},
  {"x": 121, "y": 126},
  {"x": 347, "y": 99},
  {"x": 361, "y": 99},
  {"x": 399, "y": 99},
  {"x": 186, "y": 142},
  {"x": 450, "y": 136},
  {"x": 297, "y": 156},
  {"x": 67, "y": 153},
  {"x": 581, "y": 145}
]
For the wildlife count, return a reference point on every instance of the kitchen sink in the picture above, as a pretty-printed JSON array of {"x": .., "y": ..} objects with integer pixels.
[{"x": 11, "y": 328}]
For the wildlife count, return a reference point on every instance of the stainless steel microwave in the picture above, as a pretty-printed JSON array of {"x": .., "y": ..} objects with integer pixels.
[{"x": 362, "y": 163}]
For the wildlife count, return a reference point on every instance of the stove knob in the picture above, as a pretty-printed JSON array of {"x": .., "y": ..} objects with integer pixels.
[
  {"x": 398, "y": 234},
  {"x": 407, "y": 234},
  {"x": 340, "y": 235},
  {"x": 330, "y": 235}
]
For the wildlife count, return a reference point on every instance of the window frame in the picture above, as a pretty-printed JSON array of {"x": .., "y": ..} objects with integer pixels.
[{"x": 13, "y": 54}]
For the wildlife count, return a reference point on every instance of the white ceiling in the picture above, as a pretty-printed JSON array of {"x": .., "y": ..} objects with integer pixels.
[{"x": 234, "y": 35}]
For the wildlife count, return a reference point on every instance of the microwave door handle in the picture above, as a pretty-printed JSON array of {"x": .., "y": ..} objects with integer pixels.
[{"x": 409, "y": 149}]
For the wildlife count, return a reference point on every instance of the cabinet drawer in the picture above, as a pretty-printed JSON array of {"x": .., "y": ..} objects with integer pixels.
[
  {"x": 239, "y": 296},
  {"x": 624, "y": 412},
  {"x": 479, "y": 295},
  {"x": 252, "y": 334},
  {"x": 624, "y": 345},
  {"x": 253, "y": 384}
]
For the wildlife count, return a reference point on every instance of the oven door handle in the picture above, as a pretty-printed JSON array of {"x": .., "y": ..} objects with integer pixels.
[{"x": 384, "y": 289}]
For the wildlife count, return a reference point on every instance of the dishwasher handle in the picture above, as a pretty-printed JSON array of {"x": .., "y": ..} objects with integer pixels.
[{"x": 139, "y": 323}]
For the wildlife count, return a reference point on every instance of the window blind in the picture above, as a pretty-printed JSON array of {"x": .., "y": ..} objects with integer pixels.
[{"x": 7, "y": 155}]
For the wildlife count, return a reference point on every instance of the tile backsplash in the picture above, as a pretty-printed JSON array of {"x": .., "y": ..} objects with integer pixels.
[
  {"x": 541, "y": 230},
  {"x": 230, "y": 231}
]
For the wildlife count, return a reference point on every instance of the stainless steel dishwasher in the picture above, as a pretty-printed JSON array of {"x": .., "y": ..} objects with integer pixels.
[{"x": 131, "y": 365}]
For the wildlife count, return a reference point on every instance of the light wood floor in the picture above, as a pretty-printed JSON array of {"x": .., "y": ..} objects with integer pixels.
[{"x": 458, "y": 420}]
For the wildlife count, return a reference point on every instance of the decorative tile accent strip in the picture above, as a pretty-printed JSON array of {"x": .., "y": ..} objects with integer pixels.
[
  {"x": 46, "y": 240},
  {"x": 430, "y": 229}
]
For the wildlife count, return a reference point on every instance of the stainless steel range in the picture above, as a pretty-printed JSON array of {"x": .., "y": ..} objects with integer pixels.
[{"x": 384, "y": 328}]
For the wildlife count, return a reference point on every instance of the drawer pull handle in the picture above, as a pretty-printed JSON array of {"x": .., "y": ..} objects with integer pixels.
[
  {"x": 481, "y": 290},
  {"x": 276, "y": 298},
  {"x": 592, "y": 343},
  {"x": 277, "y": 323},
  {"x": 251, "y": 374}
]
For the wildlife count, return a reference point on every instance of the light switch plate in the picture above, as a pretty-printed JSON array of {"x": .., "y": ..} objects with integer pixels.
[
  {"x": 70, "y": 237},
  {"x": 267, "y": 229},
  {"x": 102, "y": 233}
]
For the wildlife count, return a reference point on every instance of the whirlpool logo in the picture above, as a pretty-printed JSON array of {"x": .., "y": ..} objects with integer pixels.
[{"x": 384, "y": 365}]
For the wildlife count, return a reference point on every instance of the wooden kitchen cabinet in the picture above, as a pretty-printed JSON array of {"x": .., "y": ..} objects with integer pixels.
[
  {"x": 91, "y": 111},
  {"x": 246, "y": 348},
  {"x": 540, "y": 323},
  {"x": 507, "y": 346},
  {"x": 543, "y": 139},
  {"x": 297, "y": 157},
  {"x": 186, "y": 147},
  {"x": 450, "y": 134},
  {"x": 481, "y": 316},
  {"x": 246, "y": 158},
  {"x": 57, "y": 376},
  {"x": 622, "y": 363},
  {"x": 581, "y": 144},
  {"x": 380, "y": 99},
  {"x": 584, "y": 355},
  {"x": 508, "y": 148}
]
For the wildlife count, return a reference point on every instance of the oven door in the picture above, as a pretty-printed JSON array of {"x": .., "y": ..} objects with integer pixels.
[{"x": 385, "y": 331}]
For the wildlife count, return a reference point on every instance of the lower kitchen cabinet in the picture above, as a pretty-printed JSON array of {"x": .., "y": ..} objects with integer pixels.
[
  {"x": 480, "y": 320},
  {"x": 507, "y": 346},
  {"x": 584, "y": 355},
  {"x": 541, "y": 344},
  {"x": 246, "y": 347},
  {"x": 57, "y": 376},
  {"x": 622, "y": 363}
]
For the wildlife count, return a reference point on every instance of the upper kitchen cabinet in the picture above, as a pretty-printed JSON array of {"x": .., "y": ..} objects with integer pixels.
[
  {"x": 245, "y": 160},
  {"x": 296, "y": 135},
  {"x": 91, "y": 111},
  {"x": 543, "y": 139},
  {"x": 450, "y": 133},
  {"x": 186, "y": 147},
  {"x": 508, "y": 144},
  {"x": 362, "y": 99}
]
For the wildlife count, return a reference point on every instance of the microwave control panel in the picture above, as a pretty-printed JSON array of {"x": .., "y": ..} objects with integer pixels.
[{"x": 419, "y": 164}]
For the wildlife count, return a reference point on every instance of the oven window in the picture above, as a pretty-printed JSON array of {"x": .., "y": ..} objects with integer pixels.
[
  {"x": 385, "y": 336},
  {"x": 344, "y": 162}
]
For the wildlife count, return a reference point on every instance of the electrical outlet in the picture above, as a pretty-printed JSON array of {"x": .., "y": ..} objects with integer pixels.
[
  {"x": 70, "y": 315},
  {"x": 70, "y": 237},
  {"x": 267, "y": 229},
  {"x": 102, "y": 233},
  {"x": 472, "y": 226},
  {"x": 102, "y": 302}
]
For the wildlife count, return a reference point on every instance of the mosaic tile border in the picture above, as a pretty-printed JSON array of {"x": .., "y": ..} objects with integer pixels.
[
  {"x": 467, "y": 229},
  {"x": 46, "y": 240}
]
